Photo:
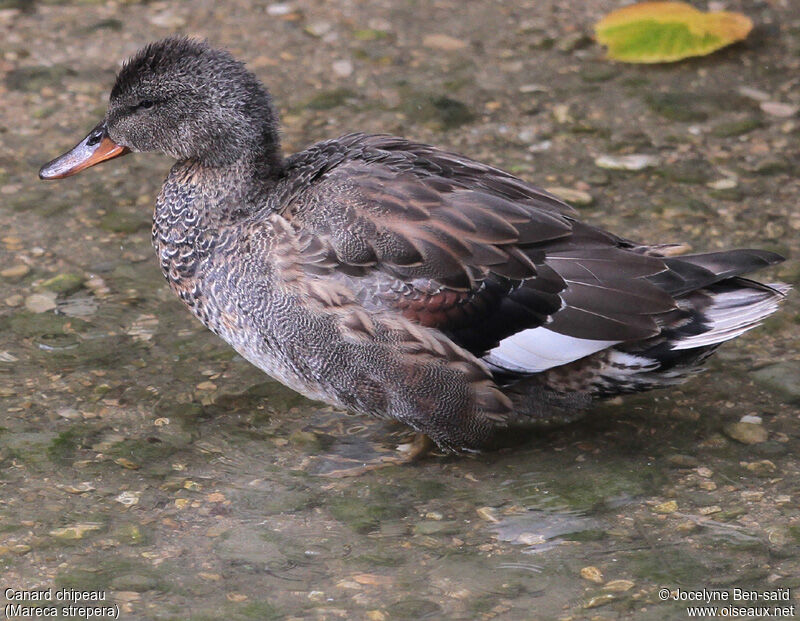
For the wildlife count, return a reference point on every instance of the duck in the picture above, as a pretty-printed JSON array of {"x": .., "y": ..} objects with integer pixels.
[{"x": 394, "y": 279}]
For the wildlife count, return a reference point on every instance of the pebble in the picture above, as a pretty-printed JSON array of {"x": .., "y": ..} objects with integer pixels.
[
  {"x": 618, "y": 586},
  {"x": 592, "y": 574},
  {"x": 342, "y": 68},
  {"x": 443, "y": 42},
  {"x": 670, "y": 506},
  {"x": 575, "y": 197},
  {"x": 600, "y": 600},
  {"x": 80, "y": 488},
  {"x": 634, "y": 161},
  {"x": 69, "y": 413},
  {"x": 64, "y": 283},
  {"x": 14, "y": 300},
  {"x": 76, "y": 531},
  {"x": 746, "y": 433},
  {"x": 41, "y": 302},
  {"x": 533, "y": 88},
  {"x": 487, "y": 513},
  {"x": 710, "y": 510},
  {"x": 776, "y": 108},
  {"x": 723, "y": 184},
  {"x": 783, "y": 377},
  {"x": 540, "y": 147},
  {"x": 318, "y": 29},
  {"x": 753, "y": 93},
  {"x": 15, "y": 272},
  {"x": 279, "y": 9},
  {"x": 128, "y": 498},
  {"x": 763, "y": 467}
]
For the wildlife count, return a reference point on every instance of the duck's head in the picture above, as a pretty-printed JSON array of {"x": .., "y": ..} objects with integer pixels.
[{"x": 185, "y": 99}]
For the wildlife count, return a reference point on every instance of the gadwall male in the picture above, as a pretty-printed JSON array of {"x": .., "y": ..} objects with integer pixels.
[{"x": 394, "y": 279}]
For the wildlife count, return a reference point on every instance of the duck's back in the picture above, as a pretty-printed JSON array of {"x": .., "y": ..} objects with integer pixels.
[{"x": 486, "y": 258}]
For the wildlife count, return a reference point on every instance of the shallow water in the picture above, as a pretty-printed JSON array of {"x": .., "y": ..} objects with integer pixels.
[{"x": 140, "y": 457}]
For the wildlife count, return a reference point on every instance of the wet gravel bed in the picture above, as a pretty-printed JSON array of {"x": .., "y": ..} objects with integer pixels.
[{"x": 141, "y": 458}]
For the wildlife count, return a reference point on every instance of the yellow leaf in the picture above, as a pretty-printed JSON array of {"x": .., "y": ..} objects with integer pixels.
[{"x": 657, "y": 32}]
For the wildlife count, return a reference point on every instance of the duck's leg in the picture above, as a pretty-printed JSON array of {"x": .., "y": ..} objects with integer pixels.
[
  {"x": 419, "y": 447},
  {"x": 409, "y": 453}
]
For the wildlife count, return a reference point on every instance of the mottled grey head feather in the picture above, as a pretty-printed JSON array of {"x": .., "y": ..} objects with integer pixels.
[{"x": 192, "y": 102}]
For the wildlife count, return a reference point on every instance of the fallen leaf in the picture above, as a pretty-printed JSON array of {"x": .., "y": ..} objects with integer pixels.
[{"x": 658, "y": 32}]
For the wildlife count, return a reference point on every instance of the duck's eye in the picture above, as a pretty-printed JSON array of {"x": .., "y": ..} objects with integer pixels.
[{"x": 146, "y": 104}]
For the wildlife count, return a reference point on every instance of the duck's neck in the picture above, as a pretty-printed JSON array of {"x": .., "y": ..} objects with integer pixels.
[{"x": 200, "y": 200}]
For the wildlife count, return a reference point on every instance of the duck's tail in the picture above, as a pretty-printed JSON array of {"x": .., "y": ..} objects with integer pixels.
[
  {"x": 705, "y": 319},
  {"x": 714, "y": 304}
]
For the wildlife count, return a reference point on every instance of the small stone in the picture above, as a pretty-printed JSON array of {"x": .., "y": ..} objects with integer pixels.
[
  {"x": 783, "y": 377},
  {"x": 40, "y": 302},
  {"x": 342, "y": 68},
  {"x": 80, "y": 488},
  {"x": 619, "y": 586},
  {"x": 705, "y": 472},
  {"x": 15, "y": 272},
  {"x": 775, "y": 108},
  {"x": 751, "y": 418},
  {"x": 726, "y": 183},
  {"x": 443, "y": 42},
  {"x": 746, "y": 433},
  {"x": 127, "y": 463},
  {"x": 753, "y": 93},
  {"x": 763, "y": 467},
  {"x": 318, "y": 29},
  {"x": 709, "y": 510},
  {"x": 69, "y": 413},
  {"x": 533, "y": 88},
  {"x": 753, "y": 495},
  {"x": 592, "y": 574},
  {"x": 21, "y": 549},
  {"x": 279, "y": 9},
  {"x": 600, "y": 600},
  {"x": 64, "y": 284},
  {"x": 627, "y": 162},
  {"x": 372, "y": 579},
  {"x": 128, "y": 498},
  {"x": 76, "y": 531},
  {"x": 540, "y": 147},
  {"x": 575, "y": 197},
  {"x": 15, "y": 300},
  {"x": 488, "y": 514},
  {"x": 206, "y": 386},
  {"x": 670, "y": 506},
  {"x": 530, "y": 539}
]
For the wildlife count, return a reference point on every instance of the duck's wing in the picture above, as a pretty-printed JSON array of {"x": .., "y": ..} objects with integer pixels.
[{"x": 500, "y": 266}]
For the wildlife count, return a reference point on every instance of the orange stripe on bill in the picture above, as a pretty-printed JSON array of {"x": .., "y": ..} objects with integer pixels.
[{"x": 95, "y": 148}]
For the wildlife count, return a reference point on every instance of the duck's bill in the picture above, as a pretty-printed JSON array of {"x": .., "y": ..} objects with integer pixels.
[{"x": 95, "y": 148}]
